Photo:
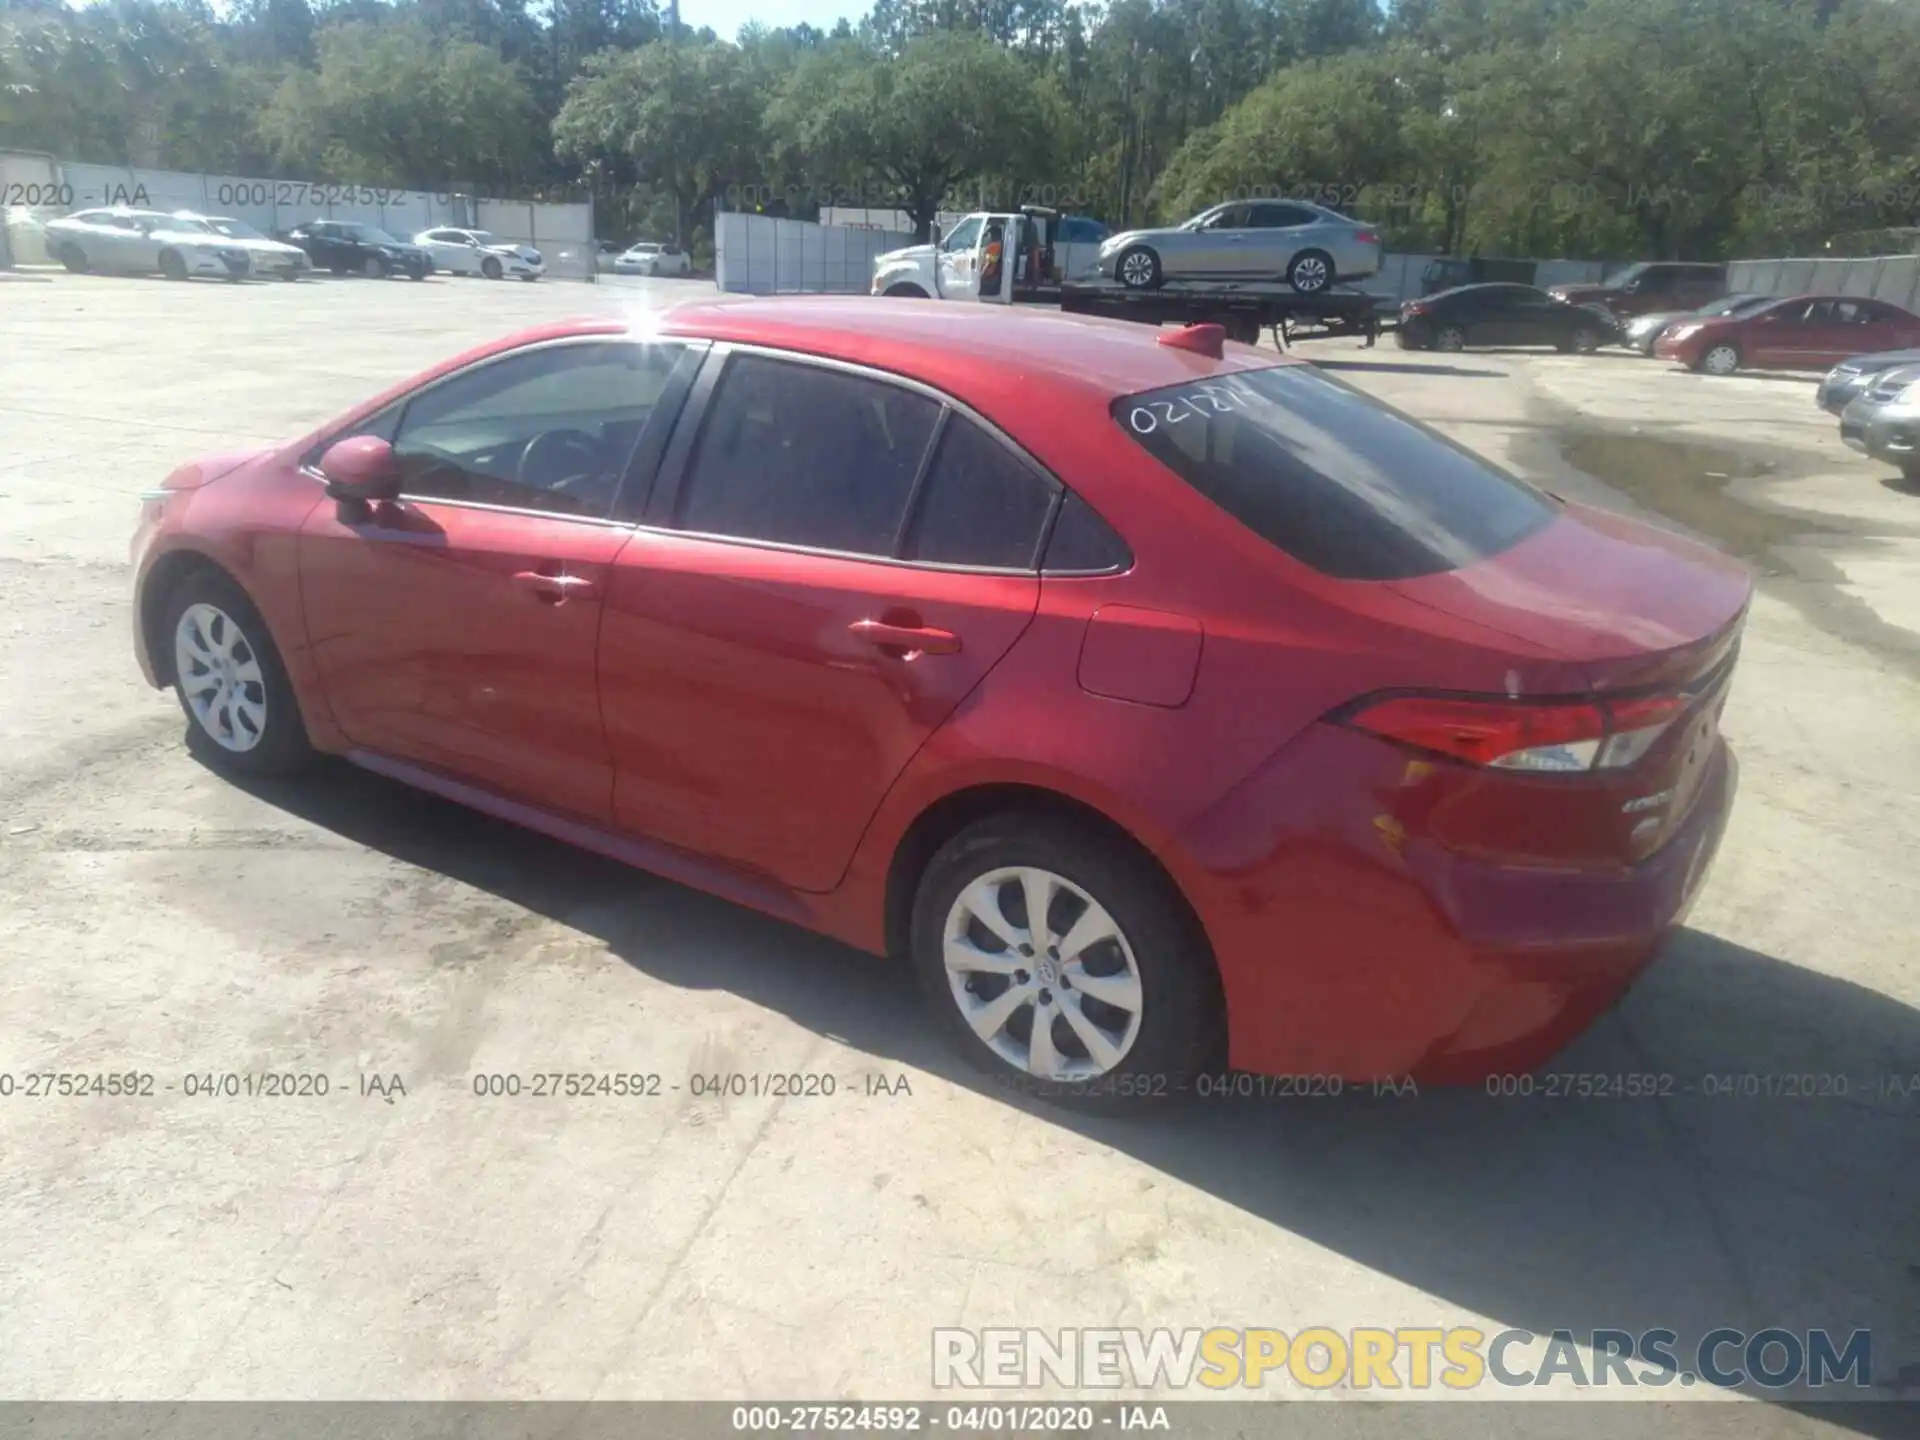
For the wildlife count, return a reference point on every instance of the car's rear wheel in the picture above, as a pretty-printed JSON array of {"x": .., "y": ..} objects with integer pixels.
[
  {"x": 375, "y": 268},
  {"x": 1060, "y": 962},
  {"x": 492, "y": 268},
  {"x": 1451, "y": 338},
  {"x": 241, "y": 713},
  {"x": 1720, "y": 359},
  {"x": 1138, "y": 268},
  {"x": 172, "y": 266},
  {"x": 74, "y": 258},
  {"x": 904, "y": 292},
  {"x": 1310, "y": 272},
  {"x": 1584, "y": 340}
]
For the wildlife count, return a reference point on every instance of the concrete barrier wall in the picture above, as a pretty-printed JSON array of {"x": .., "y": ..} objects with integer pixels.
[
  {"x": 1892, "y": 278},
  {"x": 759, "y": 255}
]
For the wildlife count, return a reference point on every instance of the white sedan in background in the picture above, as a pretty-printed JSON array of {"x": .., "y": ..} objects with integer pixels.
[
  {"x": 139, "y": 242},
  {"x": 648, "y": 258},
  {"x": 479, "y": 252},
  {"x": 269, "y": 256}
]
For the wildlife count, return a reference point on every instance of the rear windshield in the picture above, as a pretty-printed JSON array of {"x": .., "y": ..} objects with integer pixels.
[{"x": 1335, "y": 479}]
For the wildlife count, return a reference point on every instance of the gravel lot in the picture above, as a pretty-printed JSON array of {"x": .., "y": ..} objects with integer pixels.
[{"x": 434, "y": 1244}]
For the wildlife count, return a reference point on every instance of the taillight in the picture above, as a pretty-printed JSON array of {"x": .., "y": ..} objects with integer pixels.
[
  {"x": 1543, "y": 737},
  {"x": 1367, "y": 237},
  {"x": 1415, "y": 307}
]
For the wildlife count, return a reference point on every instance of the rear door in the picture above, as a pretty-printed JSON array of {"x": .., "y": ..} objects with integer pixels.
[
  {"x": 833, "y": 561},
  {"x": 1861, "y": 327},
  {"x": 1277, "y": 233}
]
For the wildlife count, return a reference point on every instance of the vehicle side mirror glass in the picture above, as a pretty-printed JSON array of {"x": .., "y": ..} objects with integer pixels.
[{"x": 360, "y": 470}]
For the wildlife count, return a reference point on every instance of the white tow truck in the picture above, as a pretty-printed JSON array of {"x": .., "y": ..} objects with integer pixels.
[{"x": 970, "y": 262}]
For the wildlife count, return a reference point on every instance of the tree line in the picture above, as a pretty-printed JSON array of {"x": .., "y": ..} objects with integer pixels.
[{"x": 1605, "y": 129}]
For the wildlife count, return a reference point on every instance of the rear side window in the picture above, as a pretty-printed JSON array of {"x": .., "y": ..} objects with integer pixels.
[
  {"x": 1338, "y": 481},
  {"x": 978, "y": 505},
  {"x": 803, "y": 455},
  {"x": 1082, "y": 543}
]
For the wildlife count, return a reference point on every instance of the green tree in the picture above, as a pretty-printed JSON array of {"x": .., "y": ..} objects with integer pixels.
[
  {"x": 682, "y": 117},
  {"x": 392, "y": 105},
  {"x": 952, "y": 110}
]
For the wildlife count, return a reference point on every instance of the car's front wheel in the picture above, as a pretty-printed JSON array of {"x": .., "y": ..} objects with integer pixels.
[
  {"x": 240, "y": 709},
  {"x": 74, "y": 258},
  {"x": 1451, "y": 338},
  {"x": 1719, "y": 359},
  {"x": 172, "y": 266},
  {"x": 1060, "y": 962}
]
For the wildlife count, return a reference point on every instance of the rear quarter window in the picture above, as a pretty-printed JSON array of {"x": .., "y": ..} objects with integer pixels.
[{"x": 1338, "y": 481}]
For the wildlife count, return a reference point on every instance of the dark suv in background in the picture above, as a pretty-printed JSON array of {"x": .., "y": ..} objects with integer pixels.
[
  {"x": 353, "y": 247},
  {"x": 1651, "y": 285}
]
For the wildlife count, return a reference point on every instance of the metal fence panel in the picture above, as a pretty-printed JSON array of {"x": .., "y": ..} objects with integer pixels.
[{"x": 762, "y": 255}]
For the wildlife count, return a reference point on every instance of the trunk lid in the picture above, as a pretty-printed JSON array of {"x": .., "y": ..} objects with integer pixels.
[{"x": 1632, "y": 605}]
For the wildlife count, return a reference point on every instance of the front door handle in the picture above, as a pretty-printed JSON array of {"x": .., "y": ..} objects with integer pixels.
[
  {"x": 909, "y": 639},
  {"x": 553, "y": 589}
]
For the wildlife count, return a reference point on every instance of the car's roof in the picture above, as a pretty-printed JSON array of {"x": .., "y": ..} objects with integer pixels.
[{"x": 949, "y": 343}]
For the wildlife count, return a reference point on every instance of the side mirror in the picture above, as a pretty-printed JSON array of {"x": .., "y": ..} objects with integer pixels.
[{"x": 360, "y": 470}]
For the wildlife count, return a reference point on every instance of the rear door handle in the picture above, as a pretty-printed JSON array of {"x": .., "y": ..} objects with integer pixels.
[
  {"x": 909, "y": 638},
  {"x": 554, "y": 588}
]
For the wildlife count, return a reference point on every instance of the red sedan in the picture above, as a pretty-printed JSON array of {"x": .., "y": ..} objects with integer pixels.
[
  {"x": 1167, "y": 704},
  {"x": 1807, "y": 332}
]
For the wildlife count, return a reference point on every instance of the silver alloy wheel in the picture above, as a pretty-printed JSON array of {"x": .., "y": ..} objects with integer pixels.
[
  {"x": 219, "y": 673},
  {"x": 1309, "y": 274},
  {"x": 1451, "y": 338},
  {"x": 1060, "y": 999},
  {"x": 1586, "y": 341},
  {"x": 1721, "y": 360},
  {"x": 1136, "y": 270}
]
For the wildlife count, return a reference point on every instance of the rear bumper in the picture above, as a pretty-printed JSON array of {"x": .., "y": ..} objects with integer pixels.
[{"x": 1346, "y": 948}]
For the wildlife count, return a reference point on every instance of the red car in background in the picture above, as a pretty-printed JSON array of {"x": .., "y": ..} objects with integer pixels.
[
  {"x": 1165, "y": 703},
  {"x": 1806, "y": 332}
]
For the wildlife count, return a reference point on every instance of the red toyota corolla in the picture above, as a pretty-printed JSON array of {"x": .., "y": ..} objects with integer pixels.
[
  {"x": 1807, "y": 332},
  {"x": 1166, "y": 703}
]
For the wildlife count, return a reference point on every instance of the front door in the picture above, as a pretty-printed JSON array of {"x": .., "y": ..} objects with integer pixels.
[
  {"x": 457, "y": 627},
  {"x": 779, "y": 641},
  {"x": 1786, "y": 338},
  {"x": 956, "y": 261}
]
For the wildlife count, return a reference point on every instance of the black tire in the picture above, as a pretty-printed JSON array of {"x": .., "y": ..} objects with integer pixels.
[
  {"x": 1241, "y": 327},
  {"x": 74, "y": 258},
  {"x": 1180, "y": 1034},
  {"x": 374, "y": 268},
  {"x": 492, "y": 268},
  {"x": 172, "y": 266},
  {"x": 904, "y": 292},
  {"x": 1310, "y": 272},
  {"x": 1585, "y": 340},
  {"x": 1450, "y": 338},
  {"x": 416, "y": 274},
  {"x": 281, "y": 746},
  {"x": 1138, "y": 268},
  {"x": 337, "y": 268}
]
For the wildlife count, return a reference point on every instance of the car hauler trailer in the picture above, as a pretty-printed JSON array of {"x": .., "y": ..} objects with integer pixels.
[{"x": 1010, "y": 258}]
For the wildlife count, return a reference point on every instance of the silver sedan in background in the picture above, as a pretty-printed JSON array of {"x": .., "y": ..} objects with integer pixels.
[{"x": 1308, "y": 246}]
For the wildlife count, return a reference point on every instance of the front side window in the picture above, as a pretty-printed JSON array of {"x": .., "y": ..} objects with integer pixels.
[
  {"x": 1344, "y": 484},
  {"x": 964, "y": 235},
  {"x": 803, "y": 455},
  {"x": 550, "y": 429}
]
